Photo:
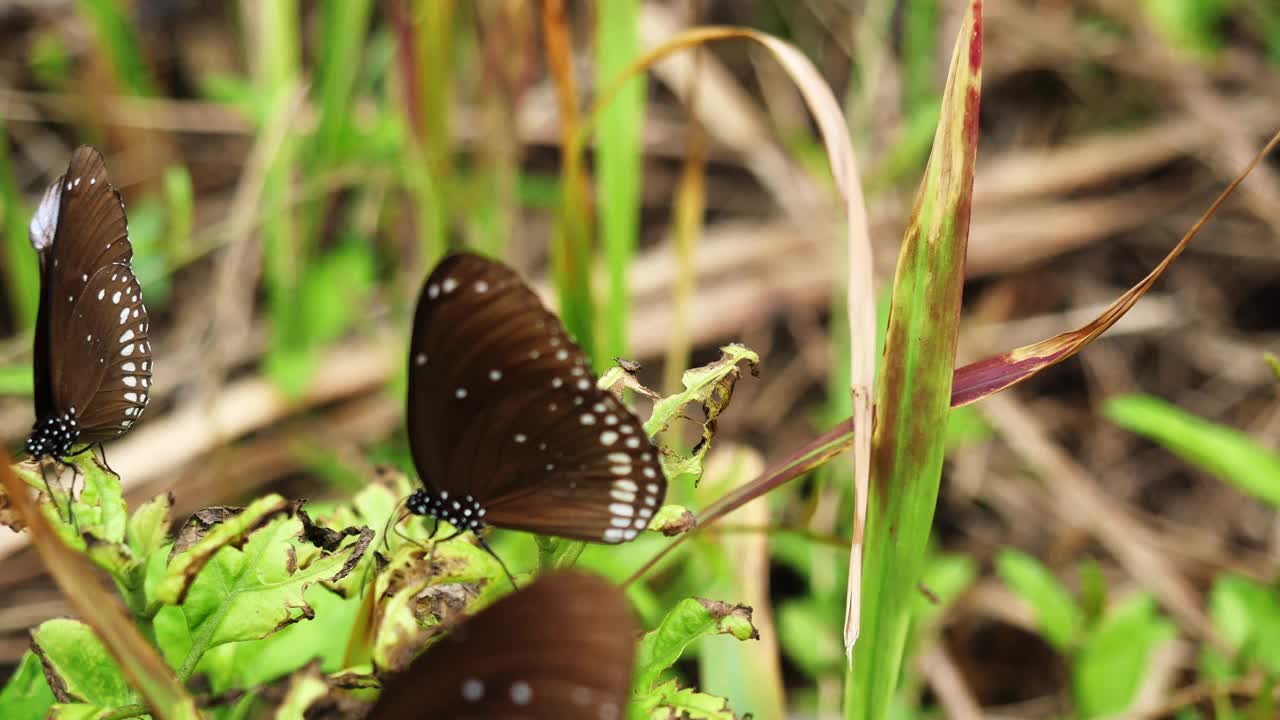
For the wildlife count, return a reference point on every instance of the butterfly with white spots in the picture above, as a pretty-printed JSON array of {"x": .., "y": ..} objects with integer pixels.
[
  {"x": 506, "y": 424},
  {"x": 92, "y": 354}
]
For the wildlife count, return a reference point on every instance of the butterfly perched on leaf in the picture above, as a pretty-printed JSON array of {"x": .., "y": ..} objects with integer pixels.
[
  {"x": 92, "y": 353},
  {"x": 506, "y": 424}
]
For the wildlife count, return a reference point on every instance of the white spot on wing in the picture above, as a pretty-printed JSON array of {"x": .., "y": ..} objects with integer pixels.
[
  {"x": 521, "y": 693},
  {"x": 44, "y": 223}
]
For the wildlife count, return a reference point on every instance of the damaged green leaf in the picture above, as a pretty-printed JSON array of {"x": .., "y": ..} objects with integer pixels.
[{"x": 711, "y": 386}]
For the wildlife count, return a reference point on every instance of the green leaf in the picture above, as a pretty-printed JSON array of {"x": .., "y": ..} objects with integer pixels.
[
  {"x": 304, "y": 689},
  {"x": 1112, "y": 661},
  {"x": 148, "y": 528},
  {"x": 965, "y": 426},
  {"x": 81, "y": 711},
  {"x": 619, "y": 164},
  {"x": 1194, "y": 26},
  {"x": 116, "y": 37},
  {"x": 1093, "y": 591},
  {"x": 179, "y": 200},
  {"x": 27, "y": 695},
  {"x": 16, "y": 380},
  {"x": 1225, "y": 452},
  {"x": 100, "y": 519},
  {"x": 324, "y": 641},
  {"x": 100, "y": 510},
  {"x": 914, "y": 390},
  {"x": 407, "y": 577},
  {"x": 20, "y": 267},
  {"x": 710, "y": 386},
  {"x": 688, "y": 621},
  {"x": 207, "y": 532},
  {"x": 671, "y": 520},
  {"x": 1248, "y": 616},
  {"x": 82, "y": 668},
  {"x": 807, "y": 633},
  {"x": 670, "y": 700},
  {"x": 258, "y": 590},
  {"x": 1057, "y": 614}
]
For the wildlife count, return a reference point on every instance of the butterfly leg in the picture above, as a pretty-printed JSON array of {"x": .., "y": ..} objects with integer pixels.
[
  {"x": 71, "y": 491},
  {"x": 102, "y": 450},
  {"x": 393, "y": 525},
  {"x": 484, "y": 545},
  {"x": 48, "y": 489}
]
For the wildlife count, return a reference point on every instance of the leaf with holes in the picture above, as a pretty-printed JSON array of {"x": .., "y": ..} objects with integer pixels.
[
  {"x": 254, "y": 583},
  {"x": 710, "y": 386},
  {"x": 669, "y": 700},
  {"x": 99, "y": 511},
  {"x": 101, "y": 522},
  {"x": 205, "y": 533},
  {"x": 411, "y": 590},
  {"x": 659, "y": 649}
]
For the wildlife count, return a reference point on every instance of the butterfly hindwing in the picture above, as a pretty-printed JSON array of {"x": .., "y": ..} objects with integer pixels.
[{"x": 561, "y": 648}]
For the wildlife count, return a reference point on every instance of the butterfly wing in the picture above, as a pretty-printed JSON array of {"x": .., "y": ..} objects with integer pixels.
[
  {"x": 561, "y": 648},
  {"x": 503, "y": 407},
  {"x": 92, "y": 344},
  {"x": 109, "y": 333}
]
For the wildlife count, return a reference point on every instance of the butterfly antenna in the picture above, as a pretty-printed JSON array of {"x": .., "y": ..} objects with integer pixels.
[
  {"x": 392, "y": 521},
  {"x": 485, "y": 546}
]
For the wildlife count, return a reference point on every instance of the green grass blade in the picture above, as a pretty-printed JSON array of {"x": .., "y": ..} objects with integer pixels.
[
  {"x": 114, "y": 31},
  {"x": 914, "y": 391},
  {"x": 1225, "y": 452},
  {"x": 21, "y": 268},
  {"x": 618, "y": 165},
  {"x": 278, "y": 79}
]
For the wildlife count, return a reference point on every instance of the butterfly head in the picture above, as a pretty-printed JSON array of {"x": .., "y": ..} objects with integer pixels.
[
  {"x": 54, "y": 436},
  {"x": 463, "y": 513}
]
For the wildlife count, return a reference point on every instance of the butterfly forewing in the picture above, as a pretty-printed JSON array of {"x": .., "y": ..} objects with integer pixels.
[
  {"x": 561, "y": 648},
  {"x": 503, "y": 407}
]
